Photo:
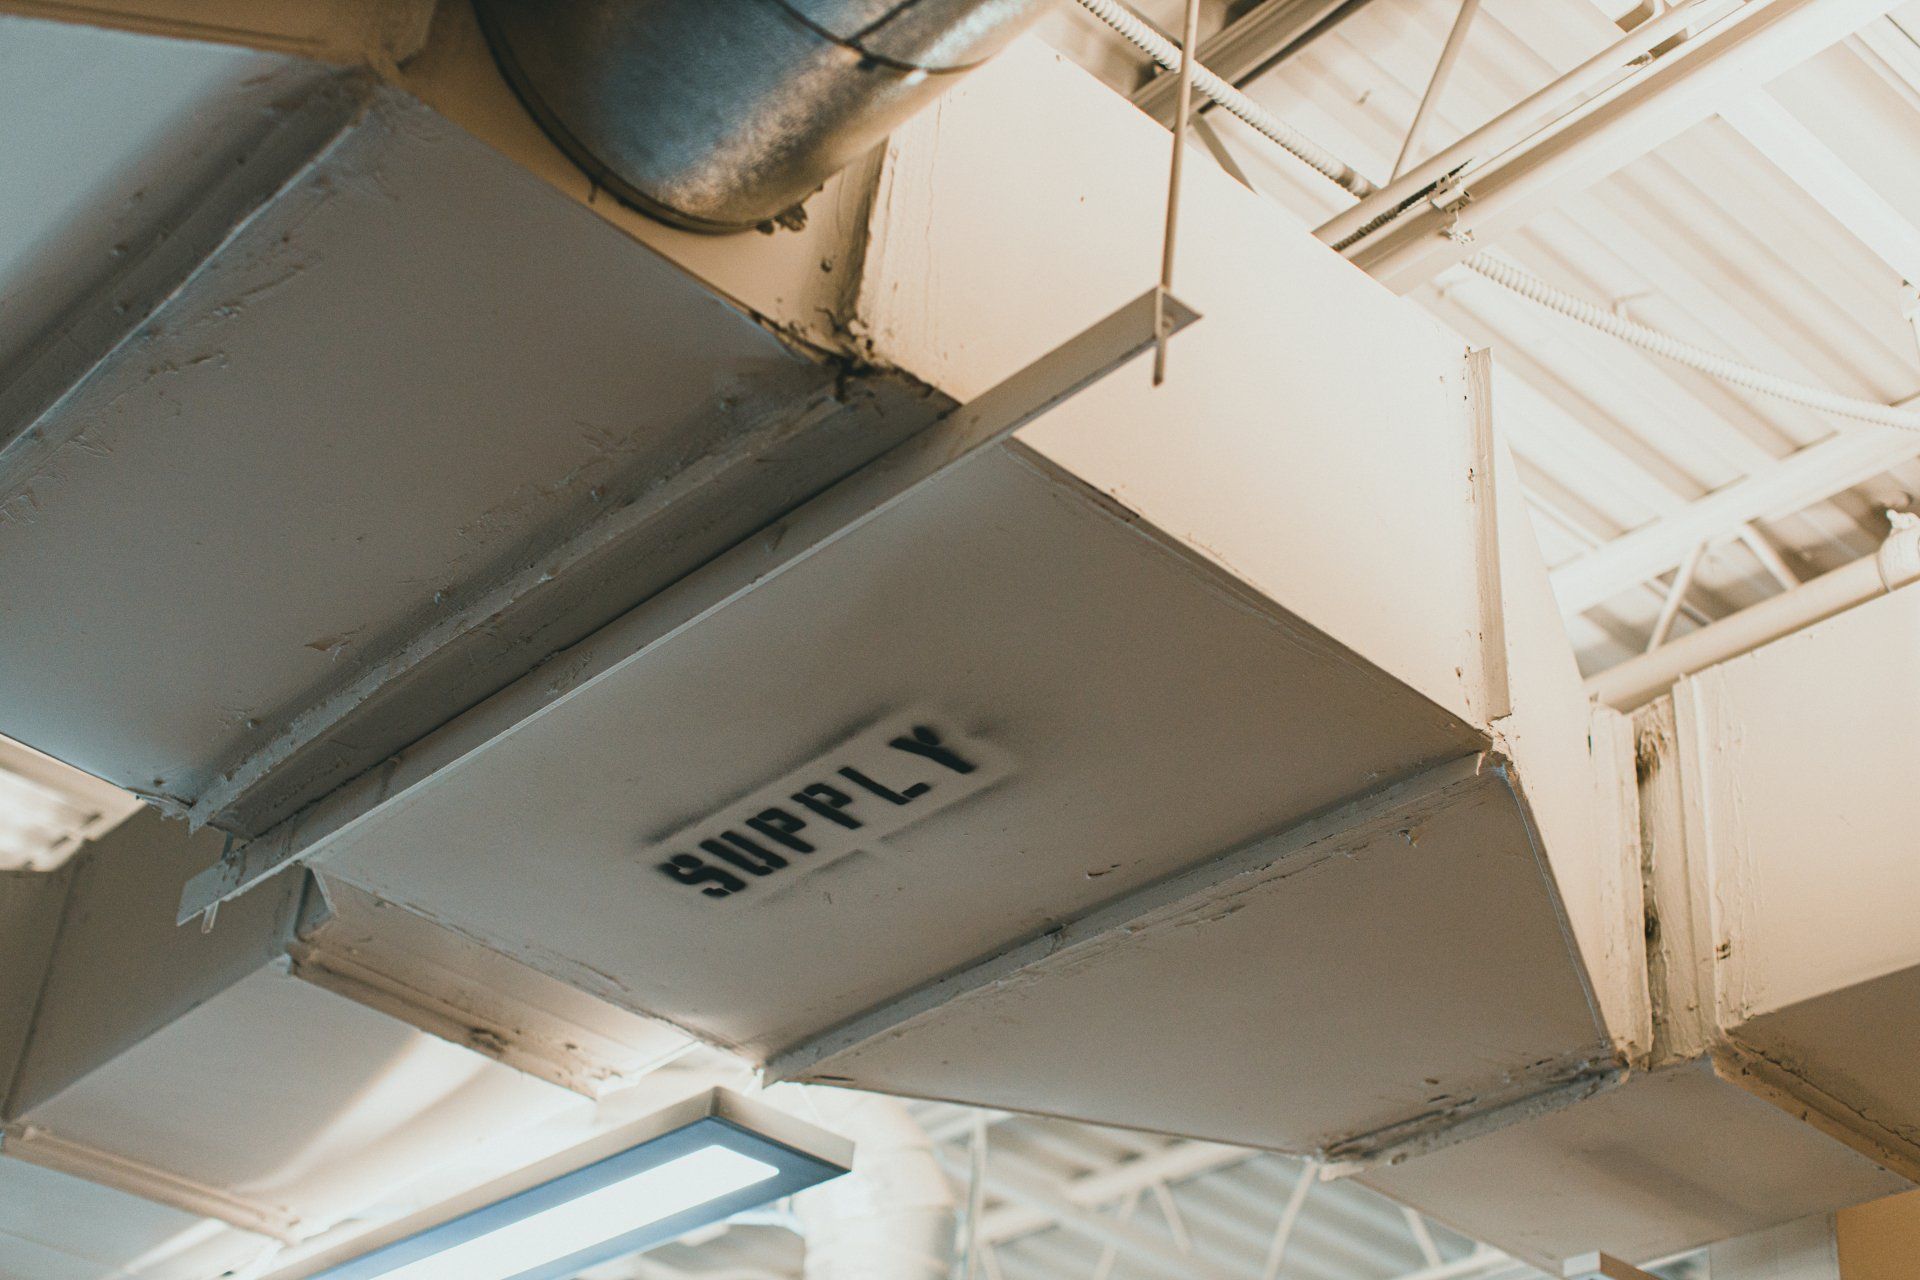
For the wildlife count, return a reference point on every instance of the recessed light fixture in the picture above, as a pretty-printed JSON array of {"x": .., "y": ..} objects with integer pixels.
[{"x": 704, "y": 1160}]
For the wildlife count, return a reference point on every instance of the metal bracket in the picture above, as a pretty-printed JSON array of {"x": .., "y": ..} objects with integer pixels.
[{"x": 1449, "y": 194}]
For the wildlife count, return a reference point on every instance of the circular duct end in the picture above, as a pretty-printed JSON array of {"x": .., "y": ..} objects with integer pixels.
[{"x": 721, "y": 117}]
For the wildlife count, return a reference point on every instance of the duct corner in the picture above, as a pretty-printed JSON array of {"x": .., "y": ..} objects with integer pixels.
[{"x": 798, "y": 280}]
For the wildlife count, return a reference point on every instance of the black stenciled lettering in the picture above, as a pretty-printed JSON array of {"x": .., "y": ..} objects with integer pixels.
[
  {"x": 828, "y": 802},
  {"x": 780, "y": 827},
  {"x": 860, "y": 779},
  {"x": 923, "y": 741},
  {"x": 689, "y": 870},
  {"x": 744, "y": 854}
]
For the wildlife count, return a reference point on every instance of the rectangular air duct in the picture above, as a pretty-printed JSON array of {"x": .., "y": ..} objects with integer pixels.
[
  {"x": 1800, "y": 815},
  {"x": 1206, "y": 757},
  {"x": 222, "y": 1073},
  {"x": 416, "y": 423},
  {"x": 1230, "y": 716}
]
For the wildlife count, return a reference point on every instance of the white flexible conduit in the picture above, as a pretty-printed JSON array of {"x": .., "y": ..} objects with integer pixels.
[
  {"x": 1226, "y": 97},
  {"x": 1678, "y": 350}
]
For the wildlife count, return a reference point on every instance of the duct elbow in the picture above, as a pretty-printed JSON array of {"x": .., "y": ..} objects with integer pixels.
[
  {"x": 723, "y": 117},
  {"x": 893, "y": 1217}
]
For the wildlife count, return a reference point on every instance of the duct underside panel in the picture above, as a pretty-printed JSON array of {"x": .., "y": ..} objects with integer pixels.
[
  {"x": 418, "y": 423},
  {"x": 1801, "y": 807},
  {"x": 1137, "y": 710},
  {"x": 30, "y": 906},
  {"x": 1358, "y": 985},
  {"x": 121, "y": 969},
  {"x": 196, "y": 1069},
  {"x": 1664, "y": 1162},
  {"x": 289, "y": 1102},
  {"x": 380, "y": 955}
]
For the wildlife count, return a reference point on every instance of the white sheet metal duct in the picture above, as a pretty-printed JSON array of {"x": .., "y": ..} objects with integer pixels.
[
  {"x": 1144, "y": 677},
  {"x": 1795, "y": 855},
  {"x": 720, "y": 117},
  {"x": 1205, "y": 759},
  {"x": 585, "y": 423},
  {"x": 284, "y": 1069},
  {"x": 1774, "y": 819}
]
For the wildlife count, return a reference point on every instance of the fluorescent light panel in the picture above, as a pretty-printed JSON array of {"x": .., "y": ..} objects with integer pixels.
[{"x": 687, "y": 1167}]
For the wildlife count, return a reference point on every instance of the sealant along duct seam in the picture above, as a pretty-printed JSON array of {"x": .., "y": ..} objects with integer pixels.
[
  {"x": 1277, "y": 855},
  {"x": 856, "y": 43}
]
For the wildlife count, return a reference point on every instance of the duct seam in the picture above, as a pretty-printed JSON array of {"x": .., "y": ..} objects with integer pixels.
[
  {"x": 854, "y": 43},
  {"x": 1579, "y": 1079}
]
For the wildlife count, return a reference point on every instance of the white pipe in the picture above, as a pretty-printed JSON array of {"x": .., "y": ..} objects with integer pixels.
[
  {"x": 1437, "y": 83},
  {"x": 892, "y": 1218},
  {"x": 1226, "y": 97},
  {"x": 1676, "y": 596},
  {"x": 1638, "y": 681}
]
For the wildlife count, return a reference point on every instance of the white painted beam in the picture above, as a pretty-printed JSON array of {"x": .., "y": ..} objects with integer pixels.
[
  {"x": 1742, "y": 51},
  {"x": 1792, "y": 147},
  {"x": 1812, "y": 475}
]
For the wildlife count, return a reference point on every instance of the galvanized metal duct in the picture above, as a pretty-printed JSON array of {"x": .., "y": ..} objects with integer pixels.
[{"x": 720, "y": 115}]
